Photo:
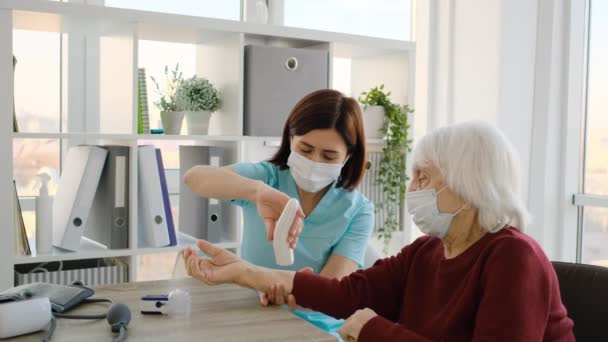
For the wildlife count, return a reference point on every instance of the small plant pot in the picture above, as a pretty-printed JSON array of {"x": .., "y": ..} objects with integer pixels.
[
  {"x": 373, "y": 121},
  {"x": 172, "y": 122},
  {"x": 198, "y": 122}
]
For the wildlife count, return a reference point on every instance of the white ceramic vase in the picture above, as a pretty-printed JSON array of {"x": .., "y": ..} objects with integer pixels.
[
  {"x": 172, "y": 122},
  {"x": 198, "y": 122},
  {"x": 373, "y": 121}
]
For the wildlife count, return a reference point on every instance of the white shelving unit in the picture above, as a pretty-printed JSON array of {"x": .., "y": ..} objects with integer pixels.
[
  {"x": 92, "y": 251},
  {"x": 99, "y": 93}
]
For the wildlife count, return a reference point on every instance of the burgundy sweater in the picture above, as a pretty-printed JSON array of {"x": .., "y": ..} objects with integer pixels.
[{"x": 502, "y": 288}]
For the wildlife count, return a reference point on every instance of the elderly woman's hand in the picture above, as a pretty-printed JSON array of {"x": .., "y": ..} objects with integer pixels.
[
  {"x": 278, "y": 295},
  {"x": 221, "y": 266},
  {"x": 351, "y": 328}
]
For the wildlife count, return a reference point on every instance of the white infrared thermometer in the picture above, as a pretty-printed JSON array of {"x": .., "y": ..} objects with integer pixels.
[{"x": 282, "y": 253}]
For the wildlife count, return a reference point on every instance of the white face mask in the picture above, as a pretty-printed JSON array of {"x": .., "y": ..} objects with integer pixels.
[
  {"x": 422, "y": 205},
  {"x": 312, "y": 176}
]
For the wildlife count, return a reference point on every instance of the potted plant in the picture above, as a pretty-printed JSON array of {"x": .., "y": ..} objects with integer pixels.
[
  {"x": 171, "y": 118},
  {"x": 391, "y": 174},
  {"x": 199, "y": 99},
  {"x": 374, "y": 117}
]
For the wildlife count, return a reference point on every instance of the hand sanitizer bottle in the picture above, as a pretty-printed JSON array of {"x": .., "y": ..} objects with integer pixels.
[{"x": 44, "y": 217}]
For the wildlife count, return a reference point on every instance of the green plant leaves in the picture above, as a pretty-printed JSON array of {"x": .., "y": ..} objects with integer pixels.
[
  {"x": 197, "y": 94},
  {"x": 391, "y": 175},
  {"x": 167, "y": 102},
  {"x": 177, "y": 94}
]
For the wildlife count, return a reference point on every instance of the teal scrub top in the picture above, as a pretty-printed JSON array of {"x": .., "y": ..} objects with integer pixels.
[{"x": 340, "y": 224}]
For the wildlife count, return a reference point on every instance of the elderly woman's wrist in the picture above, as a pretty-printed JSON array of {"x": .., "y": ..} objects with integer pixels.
[
  {"x": 250, "y": 276},
  {"x": 261, "y": 278}
]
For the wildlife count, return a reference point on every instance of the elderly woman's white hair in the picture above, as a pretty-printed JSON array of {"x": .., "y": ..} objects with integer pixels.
[{"x": 480, "y": 165}]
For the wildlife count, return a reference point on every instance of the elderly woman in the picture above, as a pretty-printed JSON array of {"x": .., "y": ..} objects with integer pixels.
[{"x": 474, "y": 277}]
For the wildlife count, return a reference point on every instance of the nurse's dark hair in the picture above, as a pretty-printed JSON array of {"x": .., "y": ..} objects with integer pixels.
[{"x": 328, "y": 109}]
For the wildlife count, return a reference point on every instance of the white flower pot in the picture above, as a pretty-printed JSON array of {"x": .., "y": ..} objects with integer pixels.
[
  {"x": 198, "y": 122},
  {"x": 172, "y": 122},
  {"x": 373, "y": 121}
]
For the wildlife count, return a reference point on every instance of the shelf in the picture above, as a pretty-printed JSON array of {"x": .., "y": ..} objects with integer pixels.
[
  {"x": 88, "y": 250},
  {"x": 184, "y": 241},
  {"x": 111, "y": 136},
  {"x": 49, "y": 16},
  {"x": 268, "y": 141},
  {"x": 230, "y": 138},
  {"x": 26, "y": 135},
  {"x": 92, "y": 250}
]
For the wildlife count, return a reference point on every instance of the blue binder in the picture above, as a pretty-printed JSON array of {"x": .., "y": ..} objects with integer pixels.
[{"x": 166, "y": 201}]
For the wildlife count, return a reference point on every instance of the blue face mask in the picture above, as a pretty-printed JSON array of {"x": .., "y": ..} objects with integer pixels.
[{"x": 422, "y": 205}]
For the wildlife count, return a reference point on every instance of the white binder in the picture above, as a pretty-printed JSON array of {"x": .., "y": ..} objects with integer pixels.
[
  {"x": 199, "y": 217},
  {"x": 109, "y": 218},
  {"x": 77, "y": 186},
  {"x": 153, "y": 231}
]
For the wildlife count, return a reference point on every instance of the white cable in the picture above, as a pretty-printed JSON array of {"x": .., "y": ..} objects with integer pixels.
[
  {"x": 123, "y": 334},
  {"x": 40, "y": 268}
]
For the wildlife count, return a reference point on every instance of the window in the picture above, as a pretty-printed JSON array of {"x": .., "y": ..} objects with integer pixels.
[
  {"x": 37, "y": 73},
  {"x": 30, "y": 158},
  {"x": 380, "y": 18},
  {"x": 595, "y": 173}
]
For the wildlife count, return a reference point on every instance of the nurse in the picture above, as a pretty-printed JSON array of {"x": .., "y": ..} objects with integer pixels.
[{"x": 320, "y": 162}]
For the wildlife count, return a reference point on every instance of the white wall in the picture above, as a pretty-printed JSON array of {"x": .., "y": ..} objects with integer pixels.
[
  {"x": 498, "y": 61},
  {"x": 516, "y": 81},
  {"x": 475, "y": 61},
  {"x": 483, "y": 66}
]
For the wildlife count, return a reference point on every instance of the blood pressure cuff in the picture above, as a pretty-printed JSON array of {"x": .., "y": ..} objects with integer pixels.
[{"x": 62, "y": 297}]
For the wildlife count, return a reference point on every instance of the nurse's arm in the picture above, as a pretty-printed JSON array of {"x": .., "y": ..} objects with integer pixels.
[
  {"x": 338, "y": 267},
  {"x": 226, "y": 184},
  {"x": 221, "y": 183}
]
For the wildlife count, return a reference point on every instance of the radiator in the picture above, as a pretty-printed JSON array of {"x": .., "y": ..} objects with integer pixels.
[
  {"x": 374, "y": 192},
  {"x": 93, "y": 273}
]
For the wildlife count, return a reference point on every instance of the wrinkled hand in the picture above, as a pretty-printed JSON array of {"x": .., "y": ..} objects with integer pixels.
[
  {"x": 277, "y": 294},
  {"x": 351, "y": 328},
  {"x": 270, "y": 203},
  {"x": 219, "y": 268}
]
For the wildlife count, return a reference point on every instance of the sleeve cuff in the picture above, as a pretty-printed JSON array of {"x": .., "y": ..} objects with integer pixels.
[
  {"x": 349, "y": 257},
  {"x": 382, "y": 329},
  {"x": 370, "y": 330},
  {"x": 303, "y": 288}
]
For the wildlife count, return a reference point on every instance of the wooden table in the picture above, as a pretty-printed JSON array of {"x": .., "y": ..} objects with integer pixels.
[{"x": 220, "y": 313}]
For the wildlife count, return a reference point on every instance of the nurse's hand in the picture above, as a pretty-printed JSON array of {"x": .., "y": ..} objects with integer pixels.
[
  {"x": 221, "y": 267},
  {"x": 278, "y": 295},
  {"x": 270, "y": 203}
]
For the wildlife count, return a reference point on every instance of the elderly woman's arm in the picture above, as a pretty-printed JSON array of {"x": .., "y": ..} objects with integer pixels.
[{"x": 379, "y": 288}]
